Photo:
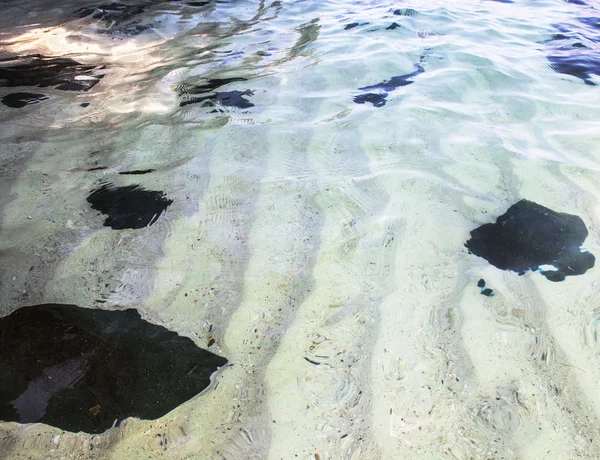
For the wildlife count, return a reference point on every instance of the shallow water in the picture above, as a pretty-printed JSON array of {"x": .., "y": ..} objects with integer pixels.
[{"x": 315, "y": 242}]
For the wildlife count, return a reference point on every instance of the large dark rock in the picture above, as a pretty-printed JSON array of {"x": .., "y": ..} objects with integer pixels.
[
  {"x": 531, "y": 237},
  {"x": 379, "y": 98},
  {"x": 36, "y": 70},
  {"x": 128, "y": 207},
  {"x": 19, "y": 100},
  {"x": 81, "y": 369}
]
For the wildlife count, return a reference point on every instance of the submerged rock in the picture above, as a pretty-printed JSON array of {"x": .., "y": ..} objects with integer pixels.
[
  {"x": 531, "y": 237},
  {"x": 37, "y": 70},
  {"x": 405, "y": 12},
  {"x": 18, "y": 100},
  {"x": 82, "y": 369},
  {"x": 225, "y": 99},
  {"x": 128, "y": 207},
  {"x": 208, "y": 95},
  {"x": 380, "y": 98}
]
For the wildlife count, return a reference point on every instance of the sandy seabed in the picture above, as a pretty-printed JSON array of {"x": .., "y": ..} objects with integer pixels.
[{"x": 318, "y": 242}]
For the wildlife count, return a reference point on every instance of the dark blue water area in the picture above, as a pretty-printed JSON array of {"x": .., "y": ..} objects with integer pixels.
[{"x": 574, "y": 49}]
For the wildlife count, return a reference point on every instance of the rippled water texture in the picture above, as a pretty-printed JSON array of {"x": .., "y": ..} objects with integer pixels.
[{"x": 291, "y": 185}]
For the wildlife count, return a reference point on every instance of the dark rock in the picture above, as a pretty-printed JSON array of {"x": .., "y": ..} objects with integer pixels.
[
  {"x": 379, "y": 99},
  {"x": 531, "y": 237},
  {"x": 396, "y": 82},
  {"x": 197, "y": 3},
  {"x": 355, "y": 24},
  {"x": 225, "y": 99},
  {"x": 18, "y": 100},
  {"x": 137, "y": 172},
  {"x": 81, "y": 369},
  {"x": 128, "y": 207},
  {"x": 84, "y": 104},
  {"x": 393, "y": 26},
  {"x": 481, "y": 283},
  {"x": 487, "y": 292},
  {"x": 405, "y": 12},
  {"x": 38, "y": 70},
  {"x": 211, "y": 85}
]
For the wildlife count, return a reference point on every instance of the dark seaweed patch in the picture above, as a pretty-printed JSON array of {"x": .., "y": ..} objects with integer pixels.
[
  {"x": 18, "y": 100},
  {"x": 82, "y": 369},
  {"x": 531, "y": 237},
  {"x": 37, "y": 70},
  {"x": 128, "y": 207},
  {"x": 380, "y": 98},
  {"x": 137, "y": 172},
  {"x": 226, "y": 99}
]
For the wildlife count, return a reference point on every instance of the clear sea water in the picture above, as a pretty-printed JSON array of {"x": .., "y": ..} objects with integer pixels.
[{"x": 316, "y": 242}]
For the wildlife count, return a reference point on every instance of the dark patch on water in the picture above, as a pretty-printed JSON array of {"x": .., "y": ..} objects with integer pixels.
[
  {"x": 393, "y": 26},
  {"x": 97, "y": 168},
  {"x": 405, "y": 12},
  {"x": 137, "y": 172},
  {"x": 81, "y": 369},
  {"x": 576, "y": 2},
  {"x": 574, "y": 51},
  {"x": 128, "y": 207},
  {"x": 380, "y": 98},
  {"x": 582, "y": 65},
  {"x": 502, "y": 1},
  {"x": 18, "y": 100},
  {"x": 225, "y": 99},
  {"x": 42, "y": 71},
  {"x": 531, "y": 237}
]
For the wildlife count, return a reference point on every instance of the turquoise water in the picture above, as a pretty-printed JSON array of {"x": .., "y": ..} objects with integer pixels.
[{"x": 315, "y": 231}]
